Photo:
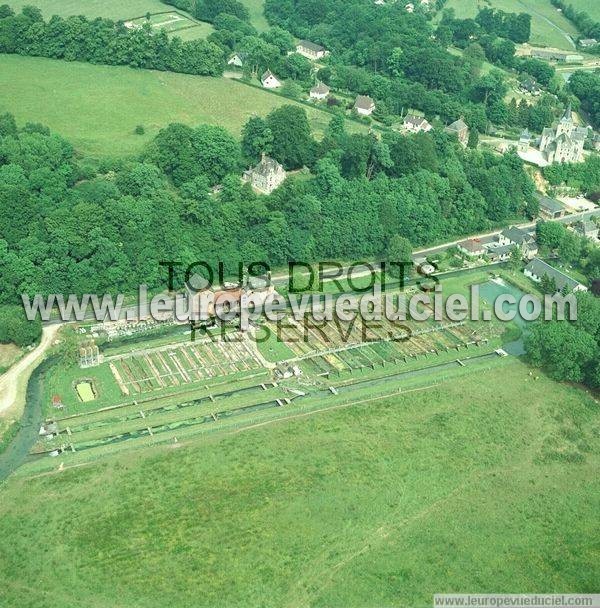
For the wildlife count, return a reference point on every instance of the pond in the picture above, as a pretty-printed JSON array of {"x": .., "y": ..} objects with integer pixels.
[
  {"x": 489, "y": 292},
  {"x": 85, "y": 391}
]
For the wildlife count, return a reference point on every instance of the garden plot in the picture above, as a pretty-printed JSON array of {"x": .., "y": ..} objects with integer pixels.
[
  {"x": 181, "y": 364},
  {"x": 324, "y": 348}
]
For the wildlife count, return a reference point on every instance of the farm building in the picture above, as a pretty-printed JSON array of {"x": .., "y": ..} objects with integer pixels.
[
  {"x": 319, "y": 91},
  {"x": 269, "y": 80},
  {"x": 537, "y": 269},
  {"x": 588, "y": 42},
  {"x": 550, "y": 208},
  {"x": 556, "y": 55},
  {"x": 460, "y": 129},
  {"x": 364, "y": 105},
  {"x": 266, "y": 176},
  {"x": 310, "y": 50},
  {"x": 416, "y": 124}
]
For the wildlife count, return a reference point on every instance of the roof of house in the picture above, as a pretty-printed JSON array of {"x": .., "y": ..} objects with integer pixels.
[
  {"x": 414, "y": 120},
  {"x": 268, "y": 74},
  {"x": 457, "y": 125},
  {"x": 588, "y": 42},
  {"x": 311, "y": 46},
  {"x": 549, "y": 204},
  {"x": 471, "y": 245},
  {"x": 364, "y": 102},
  {"x": 320, "y": 89},
  {"x": 539, "y": 268},
  {"x": 517, "y": 235},
  {"x": 525, "y": 136},
  {"x": 502, "y": 250},
  {"x": 267, "y": 166}
]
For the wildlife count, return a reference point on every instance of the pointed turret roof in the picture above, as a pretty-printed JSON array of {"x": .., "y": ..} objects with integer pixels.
[{"x": 568, "y": 115}]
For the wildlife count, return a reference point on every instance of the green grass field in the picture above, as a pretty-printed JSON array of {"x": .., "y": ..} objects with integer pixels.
[
  {"x": 591, "y": 7},
  {"x": 463, "y": 487},
  {"x": 98, "y": 107},
  {"x": 257, "y": 15},
  {"x": 111, "y": 9},
  {"x": 548, "y": 26}
]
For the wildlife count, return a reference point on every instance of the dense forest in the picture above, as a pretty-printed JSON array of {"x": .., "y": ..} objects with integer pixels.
[{"x": 67, "y": 227}]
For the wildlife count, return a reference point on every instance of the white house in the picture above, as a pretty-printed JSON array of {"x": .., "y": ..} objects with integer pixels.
[
  {"x": 472, "y": 247},
  {"x": 319, "y": 91},
  {"x": 416, "y": 124},
  {"x": 237, "y": 60},
  {"x": 269, "y": 81},
  {"x": 364, "y": 105}
]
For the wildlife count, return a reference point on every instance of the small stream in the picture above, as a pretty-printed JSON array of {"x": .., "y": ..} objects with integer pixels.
[{"x": 18, "y": 449}]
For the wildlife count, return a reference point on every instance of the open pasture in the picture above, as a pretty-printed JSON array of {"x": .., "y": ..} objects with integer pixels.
[
  {"x": 325, "y": 504},
  {"x": 97, "y": 108},
  {"x": 548, "y": 26}
]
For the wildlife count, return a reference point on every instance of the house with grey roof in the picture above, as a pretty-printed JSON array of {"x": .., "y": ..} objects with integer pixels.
[
  {"x": 550, "y": 208},
  {"x": 587, "y": 42},
  {"x": 310, "y": 50},
  {"x": 524, "y": 141},
  {"x": 537, "y": 269},
  {"x": 416, "y": 124},
  {"x": 460, "y": 129},
  {"x": 270, "y": 81},
  {"x": 501, "y": 253},
  {"x": 521, "y": 238},
  {"x": 563, "y": 143},
  {"x": 364, "y": 105},
  {"x": 319, "y": 91},
  {"x": 266, "y": 176}
]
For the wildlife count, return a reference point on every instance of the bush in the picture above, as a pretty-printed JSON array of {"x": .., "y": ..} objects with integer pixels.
[
  {"x": 15, "y": 328},
  {"x": 139, "y": 130}
]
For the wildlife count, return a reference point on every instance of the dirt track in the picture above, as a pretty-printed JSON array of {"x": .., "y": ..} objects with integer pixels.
[{"x": 12, "y": 383}]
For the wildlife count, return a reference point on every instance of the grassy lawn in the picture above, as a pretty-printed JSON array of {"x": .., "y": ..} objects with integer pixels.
[
  {"x": 257, "y": 15},
  {"x": 378, "y": 504},
  {"x": 98, "y": 107},
  {"x": 548, "y": 26}
]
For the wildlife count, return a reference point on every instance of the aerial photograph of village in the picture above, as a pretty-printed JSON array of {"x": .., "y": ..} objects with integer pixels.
[{"x": 299, "y": 303}]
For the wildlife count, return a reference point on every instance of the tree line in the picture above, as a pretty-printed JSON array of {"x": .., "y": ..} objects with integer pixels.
[{"x": 103, "y": 41}]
